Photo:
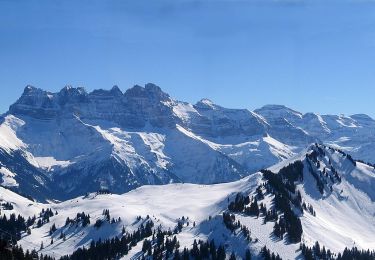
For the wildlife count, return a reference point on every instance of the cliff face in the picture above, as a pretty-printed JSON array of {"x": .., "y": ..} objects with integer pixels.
[{"x": 133, "y": 108}]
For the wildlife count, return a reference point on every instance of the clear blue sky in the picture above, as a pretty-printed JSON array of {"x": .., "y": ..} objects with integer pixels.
[{"x": 309, "y": 55}]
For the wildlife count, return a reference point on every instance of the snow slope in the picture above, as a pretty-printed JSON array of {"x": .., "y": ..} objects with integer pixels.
[
  {"x": 344, "y": 215},
  {"x": 165, "y": 204}
]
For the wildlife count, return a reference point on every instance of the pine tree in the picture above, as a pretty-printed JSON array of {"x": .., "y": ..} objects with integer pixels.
[
  {"x": 247, "y": 255},
  {"x": 221, "y": 253},
  {"x": 123, "y": 230}
]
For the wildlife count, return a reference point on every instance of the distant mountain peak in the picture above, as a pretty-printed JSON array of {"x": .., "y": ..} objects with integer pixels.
[
  {"x": 116, "y": 90},
  {"x": 278, "y": 111},
  {"x": 363, "y": 117},
  {"x": 206, "y": 103},
  {"x": 149, "y": 91},
  {"x": 153, "y": 88},
  {"x": 34, "y": 101},
  {"x": 29, "y": 88},
  {"x": 113, "y": 92},
  {"x": 70, "y": 94},
  {"x": 275, "y": 107},
  {"x": 68, "y": 89}
]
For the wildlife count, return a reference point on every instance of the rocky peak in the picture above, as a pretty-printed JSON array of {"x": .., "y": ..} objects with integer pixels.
[
  {"x": 362, "y": 117},
  {"x": 156, "y": 91},
  {"x": 275, "y": 113},
  {"x": 277, "y": 110},
  {"x": 206, "y": 104},
  {"x": 150, "y": 92},
  {"x": 29, "y": 89},
  {"x": 116, "y": 91},
  {"x": 70, "y": 94},
  {"x": 35, "y": 102}
]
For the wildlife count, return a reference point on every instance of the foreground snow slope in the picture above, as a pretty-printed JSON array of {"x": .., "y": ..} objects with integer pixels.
[
  {"x": 164, "y": 204},
  {"x": 344, "y": 214}
]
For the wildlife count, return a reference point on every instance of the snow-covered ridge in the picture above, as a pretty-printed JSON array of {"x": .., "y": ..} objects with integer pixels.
[{"x": 340, "y": 190}]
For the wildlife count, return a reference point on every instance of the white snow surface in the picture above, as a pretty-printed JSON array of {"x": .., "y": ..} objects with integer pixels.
[
  {"x": 7, "y": 178},
  {"x": 344, "y": 217}
]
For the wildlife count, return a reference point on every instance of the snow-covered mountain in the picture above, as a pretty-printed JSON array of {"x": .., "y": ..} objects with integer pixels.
[
  {"x": 331, "y": 194},
  {"x": 62, "y": 145}
]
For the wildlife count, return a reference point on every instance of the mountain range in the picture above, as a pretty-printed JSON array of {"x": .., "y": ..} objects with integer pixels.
[{"x": 57, "y": 146}]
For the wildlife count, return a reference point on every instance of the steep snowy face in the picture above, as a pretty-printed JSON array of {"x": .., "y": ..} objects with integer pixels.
[
  {"x": 341, "y": 192},
  {"x": 331, "y": 194},
  {"x": 332, "y": 168}
]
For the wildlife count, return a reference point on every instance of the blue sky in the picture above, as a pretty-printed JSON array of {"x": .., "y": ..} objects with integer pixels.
[{"x": 309, "y": 55}]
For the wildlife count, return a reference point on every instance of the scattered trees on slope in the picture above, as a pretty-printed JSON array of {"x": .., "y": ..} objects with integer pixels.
[
  {"x": 11, "y": 228},
  {"x": 10, "y": 251},
  {"x": 320, "y": 252},
  {"x": 283, "y": 186}
]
